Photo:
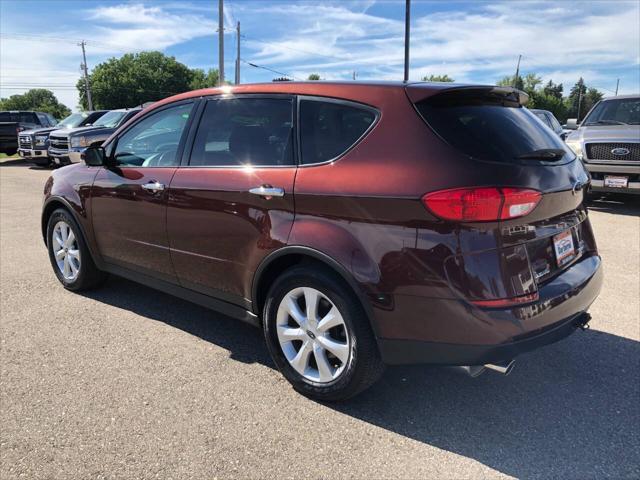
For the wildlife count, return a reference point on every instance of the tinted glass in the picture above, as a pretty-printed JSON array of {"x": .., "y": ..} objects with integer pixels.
[
  {"x": 5, "y": 117},
  {"x": 542, "y": 116},
  {"x": 52, "y": 120},
  {"x": 327, "y": 129},
  {"x": 489, "y": 131},
  {"x": 21, "y": 117},
  {"x": 44, "y": 121},
  {"x": 91, "y": 118},
  {"x": 154, "y": 140},
  {"x": 245, "y": 131},
  {"x": 614, "y": 112}
]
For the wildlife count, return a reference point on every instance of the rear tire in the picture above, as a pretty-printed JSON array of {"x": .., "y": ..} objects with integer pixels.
[
  {"x": 329, "y": 353},
  {"x": 69, "y": 255}
]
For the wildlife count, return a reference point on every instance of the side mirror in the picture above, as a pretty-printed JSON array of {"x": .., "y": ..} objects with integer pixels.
[
  {"x": 94, "y": 156},
  {"x": 572, "y": 123}
]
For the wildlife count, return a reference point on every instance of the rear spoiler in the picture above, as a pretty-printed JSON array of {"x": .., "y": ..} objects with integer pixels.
[{"x": 508, "y": 96}]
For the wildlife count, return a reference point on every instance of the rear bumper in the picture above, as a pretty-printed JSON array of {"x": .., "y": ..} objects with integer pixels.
[{"x": 560, "y": 309}]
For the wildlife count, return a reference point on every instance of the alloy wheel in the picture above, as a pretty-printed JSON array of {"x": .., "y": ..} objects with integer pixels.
[
  {"x": 313, "y": 335},
  {"x": 66, "y": 251}
]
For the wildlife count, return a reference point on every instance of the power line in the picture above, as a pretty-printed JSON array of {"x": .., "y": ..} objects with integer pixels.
[{"x": 267, "y": 68}]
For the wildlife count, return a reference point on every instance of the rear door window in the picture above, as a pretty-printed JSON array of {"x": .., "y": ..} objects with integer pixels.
[
  {"x": 488, "y": 129},
  {"x": 245, "y": 132},
  {"x": 329, "y": 129}
]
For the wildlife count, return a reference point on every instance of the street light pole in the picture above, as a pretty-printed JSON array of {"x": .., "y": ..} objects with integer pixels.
[
  {"x": 407, "y": 27},
  {"x": 238, "y": 54},
  {"x": 221, "y": 42}
]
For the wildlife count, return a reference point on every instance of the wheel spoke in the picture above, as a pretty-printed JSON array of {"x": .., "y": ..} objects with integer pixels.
[
  {"x": 72, "y": 264},
  {"x": 287, "y": 334},
  {"x": 64, "y": 231},
  {"x": 66, "y": 269},
  {"x": 71, "y": 238},
  {"x": 340, "y": 350},
  {"x": 75, "y": 254},
  {"x": 58, "y": 239},
  {"x": 60, "y": 254},
  {"x": 311, "y": 299},
  {"x": 324, "y": 369},
  {"x": 301, "y": 360},
  {"x": 294, "y": 311},
  {"x": 330, "y": 320}
]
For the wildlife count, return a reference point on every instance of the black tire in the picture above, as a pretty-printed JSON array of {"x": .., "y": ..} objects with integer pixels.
[
  {"x": 364, "y": 365},
  {"x": 89, "y": 276}
]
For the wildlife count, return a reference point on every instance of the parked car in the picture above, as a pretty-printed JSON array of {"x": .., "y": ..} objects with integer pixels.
[
  {"x": 608, "y": 142},
  {"x": 359, "y": 224},
  {"x": 550, "y": 121},
  {"x": 14, "y": 122},
  {"x": 33, "y": 144},
  {"x": 67, "y": 145}
]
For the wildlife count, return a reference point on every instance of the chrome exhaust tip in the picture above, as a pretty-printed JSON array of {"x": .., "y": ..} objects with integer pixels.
[{"x": 504, "y": 368}]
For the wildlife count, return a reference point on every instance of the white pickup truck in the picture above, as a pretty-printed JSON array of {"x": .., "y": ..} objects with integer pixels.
[{"x": 608, "y": 142}]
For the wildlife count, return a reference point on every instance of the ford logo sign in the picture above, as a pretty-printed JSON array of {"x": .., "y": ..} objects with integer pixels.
[{"x": 620, "y": 151}]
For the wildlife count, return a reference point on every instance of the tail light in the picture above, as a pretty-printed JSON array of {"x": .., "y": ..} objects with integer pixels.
[{"x": 482, "y": 204}]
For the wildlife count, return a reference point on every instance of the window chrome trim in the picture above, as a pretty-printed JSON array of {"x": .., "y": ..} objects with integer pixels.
[{"x": 315, "y": 98}]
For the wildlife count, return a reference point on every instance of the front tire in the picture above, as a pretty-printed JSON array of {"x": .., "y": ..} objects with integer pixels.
[
  {"x": 319, "y": 336},
  {"x": 69, "y": 255}
]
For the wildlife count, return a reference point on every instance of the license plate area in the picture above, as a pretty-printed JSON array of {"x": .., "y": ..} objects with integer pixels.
[
  {"x": 564, "y": 248},
  {"x": 616, "y": 181}
]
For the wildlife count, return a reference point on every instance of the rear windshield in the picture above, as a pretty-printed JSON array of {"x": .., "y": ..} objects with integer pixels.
[{"x": 488, "y": 130}]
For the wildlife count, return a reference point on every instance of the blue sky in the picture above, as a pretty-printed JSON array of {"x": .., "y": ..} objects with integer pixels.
[{"x": 472, "y": 41}]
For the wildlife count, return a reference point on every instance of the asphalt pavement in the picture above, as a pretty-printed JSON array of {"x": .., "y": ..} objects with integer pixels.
[{"x": 127, "y": 382}]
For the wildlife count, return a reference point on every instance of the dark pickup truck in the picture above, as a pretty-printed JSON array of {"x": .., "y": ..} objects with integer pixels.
[
  {"x": 33, "y": 144},
  {"x": 14, "y": 122}
]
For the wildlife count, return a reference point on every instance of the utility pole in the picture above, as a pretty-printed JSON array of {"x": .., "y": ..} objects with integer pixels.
[
  {"x": 221, "y": 42},
  {"x": 407, "y": 26},
  {"x": 515, "y": 79},
  {"x": 238, "y": 54},
  {"x": 579, "y": 104},
  {"x": 617, "y": 85},
  {"x": 354, "y": 74},
  {"x": 87, "y": 88}
]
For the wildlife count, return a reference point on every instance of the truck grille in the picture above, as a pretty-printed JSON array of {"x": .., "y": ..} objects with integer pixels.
[
  {"x": 604, "y": 151},
  {"x": 60, "y": 143},
  {"x": 25, "y": 141}
]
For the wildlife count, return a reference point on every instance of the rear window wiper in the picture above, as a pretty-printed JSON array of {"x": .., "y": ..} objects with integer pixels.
[{"x": 549, "y": 154}]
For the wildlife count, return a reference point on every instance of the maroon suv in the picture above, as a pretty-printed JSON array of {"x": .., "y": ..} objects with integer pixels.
[{"x": 359, "y": 224}]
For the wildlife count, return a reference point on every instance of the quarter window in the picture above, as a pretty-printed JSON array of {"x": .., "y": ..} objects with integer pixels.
[
  {"x": 328, "y": 129},
  {"x": 154, "y": 140},
  {"x": 245, "y": 132}
]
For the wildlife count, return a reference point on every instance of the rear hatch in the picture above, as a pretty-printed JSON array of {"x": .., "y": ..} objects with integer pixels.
[{"x": 520, "y": 194}]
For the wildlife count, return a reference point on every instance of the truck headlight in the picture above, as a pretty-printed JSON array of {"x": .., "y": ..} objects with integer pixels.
[
  {"x": 41, "y": 140},
  {"x": 79, "y": 142},
  {"x": 576, "y": 146}
]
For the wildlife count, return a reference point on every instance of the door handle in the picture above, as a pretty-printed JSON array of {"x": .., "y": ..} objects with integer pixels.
[
  {"x": 153, "y": 187},
  {"x": 267, "y": 191}
]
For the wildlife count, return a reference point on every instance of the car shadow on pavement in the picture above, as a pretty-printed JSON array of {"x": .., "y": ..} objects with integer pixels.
[
  {"x": 620, "y": 204},
  {"x": 569, "y": 410}
]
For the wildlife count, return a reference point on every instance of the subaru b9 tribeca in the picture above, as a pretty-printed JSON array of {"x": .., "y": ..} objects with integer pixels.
[{"x": 358, "y": 224}]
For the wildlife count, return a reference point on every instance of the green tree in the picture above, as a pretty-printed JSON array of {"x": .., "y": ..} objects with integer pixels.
[
  {"x": 511, "y": 81},
  {"x": 553, "y": 90},
  {"x": 202, "y": 79},
  {"x": 313, "y": 76},
  {"x": 135, "y": 78},
  {"x": 437, "y": 78},
  {"x": 574, "y": 100},
  {"x": 38, "y": 99}
]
